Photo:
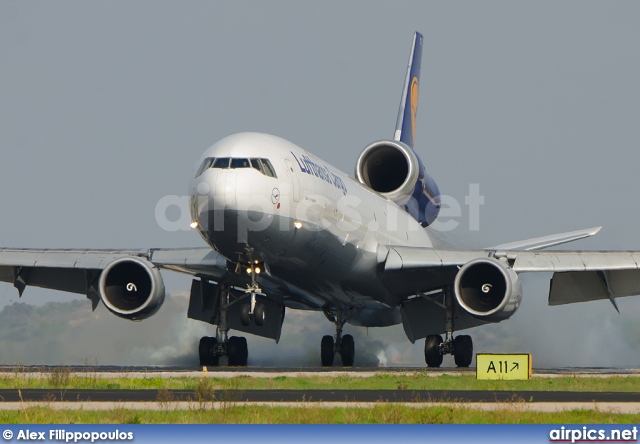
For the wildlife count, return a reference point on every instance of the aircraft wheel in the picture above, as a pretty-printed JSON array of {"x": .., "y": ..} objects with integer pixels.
[
  {"x": 463, "y": 350},
  {"x": 327, "y": 351},
  {"x": 347, "y": 350},
  {"x": 206, "y": 351},
  {"x": 259, "y": 314},
  {"x": 237, "y": 351},
  {"x": 245, "y": 317},
  {"x": 432, "y": 355}
]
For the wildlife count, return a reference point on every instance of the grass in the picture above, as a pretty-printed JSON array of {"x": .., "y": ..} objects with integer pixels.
[
  {"x": 382, "y": 414},
  {"x": 201, "y": 409},
  {"x": 64, "y": 378}
]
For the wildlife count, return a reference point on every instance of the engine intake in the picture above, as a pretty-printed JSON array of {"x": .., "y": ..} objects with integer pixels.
[
  {"x": 394, "y": 170},
  {"x": 132, "y": 288},
  {"x": 388, "y": 167},
  {"x": 488, "y": 289}
]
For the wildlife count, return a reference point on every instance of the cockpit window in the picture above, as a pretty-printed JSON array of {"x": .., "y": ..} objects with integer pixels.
[
  {"x": 262, "y": 165},
  {"x": 221, "y": 162},
  {"x": 255, "y": 163},
  {"x": 206, "y": 164},
  {"x": 268, "y": 168},
  {"x": 240, "y": 163}
]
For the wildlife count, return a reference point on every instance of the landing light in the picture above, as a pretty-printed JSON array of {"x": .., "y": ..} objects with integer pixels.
[
  {"x": 248, "y": 270},
  {"x": 257, "y": 270},
  {"x": 193, "y": 224},
  {"x": 297, "y": 224}
]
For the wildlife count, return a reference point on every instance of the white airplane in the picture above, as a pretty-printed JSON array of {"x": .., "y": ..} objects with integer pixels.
[{"x": 285, "y": 229}]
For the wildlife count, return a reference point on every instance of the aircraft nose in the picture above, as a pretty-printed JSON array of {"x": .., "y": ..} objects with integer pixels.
[
  {"x": 220, "y": 190},
  {"x": 218, "y": 186}
]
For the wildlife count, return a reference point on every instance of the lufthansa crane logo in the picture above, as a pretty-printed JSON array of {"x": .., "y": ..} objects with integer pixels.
[
  {"x": 275, "y": 196},
  {"x": 414, "y": 106}
]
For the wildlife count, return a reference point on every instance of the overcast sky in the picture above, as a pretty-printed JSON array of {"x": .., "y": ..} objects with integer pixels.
[{"x": 105, "y": 107}]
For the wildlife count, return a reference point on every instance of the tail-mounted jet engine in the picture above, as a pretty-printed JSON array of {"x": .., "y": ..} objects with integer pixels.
[
  {"x": 394, "y": 170},
  {"x": 131, "y": 288},
  {"x": 488, "y": 289}
]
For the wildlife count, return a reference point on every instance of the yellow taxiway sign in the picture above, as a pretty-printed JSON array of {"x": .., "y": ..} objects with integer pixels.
[{"x": 503, "y": 366}]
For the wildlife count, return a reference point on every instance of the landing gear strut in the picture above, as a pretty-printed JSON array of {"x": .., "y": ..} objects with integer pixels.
[
  {"x": 222, "y": 349},
  {"x": 461, "y": 347},
  {"x": 253, "y": 310},
  {"x": 343, "y": 345}
]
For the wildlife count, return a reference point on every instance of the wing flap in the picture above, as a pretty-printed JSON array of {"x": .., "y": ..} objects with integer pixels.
[
  {"x": 572, "y": 287},
  {"x": 73, "y": 280}
]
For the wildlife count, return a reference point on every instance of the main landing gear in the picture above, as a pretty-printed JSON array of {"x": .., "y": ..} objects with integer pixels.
[
  {"x": 461, "y": 347},
  {"x": 213, "y": 350},
  {"x": 343, "y": 345}
]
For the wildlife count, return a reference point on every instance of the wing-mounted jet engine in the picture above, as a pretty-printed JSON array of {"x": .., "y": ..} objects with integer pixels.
[
  {"x": 131, "y": 288},
  {"x": 488, "y": 289}
]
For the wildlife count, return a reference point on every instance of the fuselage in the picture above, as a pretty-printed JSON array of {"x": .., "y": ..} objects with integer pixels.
[{"x": 257, "y": 197}]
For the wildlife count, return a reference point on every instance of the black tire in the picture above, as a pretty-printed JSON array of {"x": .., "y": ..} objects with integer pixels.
[
  {"x": 245, "y": 317},
  {"x": 203, "y": 350},
  {"x": 432, "y": 355},
  {"x": 244, "y": 352},
  {"x": 463, "y": 350},
  {"x": 206, "y": 351},
  {"x": 327, "y": 351},
  {"x": 347, "y": 350},
  {"x": 259, "y": 314},
  {"x": 237, "y": 351}
]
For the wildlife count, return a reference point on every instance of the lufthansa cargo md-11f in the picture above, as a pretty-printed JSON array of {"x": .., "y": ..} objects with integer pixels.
[{"x": 286, "y": 230}]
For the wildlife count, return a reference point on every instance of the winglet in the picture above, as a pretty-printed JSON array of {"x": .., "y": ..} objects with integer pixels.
[
  {"x": 539, "y": 243},
  {"x": 406, "y": 123}
]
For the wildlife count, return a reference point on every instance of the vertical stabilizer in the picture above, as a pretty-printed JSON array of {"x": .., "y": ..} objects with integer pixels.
[{"x": 406, "y": 123}]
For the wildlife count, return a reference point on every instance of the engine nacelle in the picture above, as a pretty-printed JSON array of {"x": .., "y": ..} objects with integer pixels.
[
  {"x": 394, "y": 170},
  {"x": 131, "y": 288},
  {"x": 488, "y": 289}
]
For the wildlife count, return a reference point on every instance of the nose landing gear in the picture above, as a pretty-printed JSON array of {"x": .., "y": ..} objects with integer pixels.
[
  {"x": 253, "y": 310},
  {"x": 221, "y": 349}
]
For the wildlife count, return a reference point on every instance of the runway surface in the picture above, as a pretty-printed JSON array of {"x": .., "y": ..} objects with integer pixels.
[
  {"x": 271, "y": 372},
  {"x": 547, "y": 401},
  {"x": 314, "y": 396}
]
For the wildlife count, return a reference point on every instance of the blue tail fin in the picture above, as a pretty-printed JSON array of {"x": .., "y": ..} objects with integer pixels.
[{"x": 406, "y": 123}]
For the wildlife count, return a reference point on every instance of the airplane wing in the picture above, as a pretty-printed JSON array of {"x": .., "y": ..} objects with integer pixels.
[
  {"x": 578, "y": 276},
  {"x": 77, "y": 271}
]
